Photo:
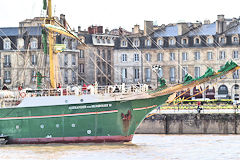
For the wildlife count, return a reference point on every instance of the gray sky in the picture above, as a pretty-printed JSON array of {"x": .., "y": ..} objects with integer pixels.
[{"x": 124, "y": 13}]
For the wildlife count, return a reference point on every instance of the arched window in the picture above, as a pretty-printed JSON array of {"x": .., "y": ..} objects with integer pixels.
[
  {"x": 65, "y": 41},
  {"x": 160, "y": 42},
  {"x": 148, "y": 42},
  {"x": 210, "y": 40},
  {"x": 123, "y": 43},
  {"x": 197, "y": 41},
  {"x": 223, "y": 90},
  {"x": 172, "y": 41},
  {"x": 6, "y": 44},
  {"x": 34, "y": 43}
]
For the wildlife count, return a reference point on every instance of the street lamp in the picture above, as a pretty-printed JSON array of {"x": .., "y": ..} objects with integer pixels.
[{"x": 156, "y": 68}]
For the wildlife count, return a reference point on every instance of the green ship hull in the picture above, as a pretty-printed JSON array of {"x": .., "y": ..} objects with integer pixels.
[{"x": 113, "y": 121}]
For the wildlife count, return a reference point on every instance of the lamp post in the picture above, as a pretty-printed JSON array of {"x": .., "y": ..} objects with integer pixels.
[{"x": 156, "y": 68}]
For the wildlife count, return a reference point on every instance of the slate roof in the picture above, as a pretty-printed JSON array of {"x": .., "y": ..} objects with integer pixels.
[
  {"x": 234, "y": 30},
  {"x": 9, "y": 31},
  {"x": 168, "y": 31},
  {"x": 205, "y": 29},
  {"x": 34, "y": 31}
]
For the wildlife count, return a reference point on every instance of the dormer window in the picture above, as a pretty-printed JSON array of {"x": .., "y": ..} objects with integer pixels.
[
  {"x": 184, "y": 41},
  {"x": 148, "y": 42},
  {"x": 235, "y": 39},
  {"x": 123, "y": 43},
  {"x": 34, "y": 43},
  {"x": 171, "y": 41},
  {"x": 197, "y": 41},
  {"x": 160, "y": 42},
  {"x": 222, "y": 40},
  {"x": 6, "y": 44},
  {"x": 210, "y": 40},
  {"x": 136, "y": 42}
]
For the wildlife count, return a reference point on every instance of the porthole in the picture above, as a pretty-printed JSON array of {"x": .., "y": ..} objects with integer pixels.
[
  {"x": 41, "y": 126},
  {"x": 81, "y": 100},
  {"x": 66, "y": 101},
  {"x": 73, "y": 125},
  {"x": 57, "y": 125},
  {"x": 17, "y": 126},
  {"x": 89, "y": 131}
]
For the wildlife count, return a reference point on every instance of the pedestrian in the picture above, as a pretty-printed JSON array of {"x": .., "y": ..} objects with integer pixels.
[{"x": 198, "y": 107}]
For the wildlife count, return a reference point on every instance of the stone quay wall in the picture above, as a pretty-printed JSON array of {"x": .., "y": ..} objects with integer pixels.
[{"x": 191, "y": 124}]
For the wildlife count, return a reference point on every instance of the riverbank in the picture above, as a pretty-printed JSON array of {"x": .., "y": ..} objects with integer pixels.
[{"x": 191, "y": 123}]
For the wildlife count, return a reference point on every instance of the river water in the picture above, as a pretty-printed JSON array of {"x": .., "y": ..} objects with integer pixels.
[{"x": 143, "y": 147}]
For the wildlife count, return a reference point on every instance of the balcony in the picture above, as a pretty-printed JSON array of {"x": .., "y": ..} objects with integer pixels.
[
  {"x": 7, "y": 81},
  {"x": 6, "y": 65}
]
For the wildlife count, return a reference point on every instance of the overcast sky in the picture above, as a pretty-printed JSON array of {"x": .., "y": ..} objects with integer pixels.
[{"x": 125, "y": 13}]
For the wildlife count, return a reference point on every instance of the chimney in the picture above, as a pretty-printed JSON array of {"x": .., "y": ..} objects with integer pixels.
[
  {"x": 207, "y": 21},
  {"x": 106, "y": 31},
  {"x": 136, "y": 29},
  {"x": 148, "y": 27},
  {"x": 182, "y": 28},
  {"x": 220, "y": 24},
  {"x": 62, "y": 20},
  {"x": 79, "y": 29}
]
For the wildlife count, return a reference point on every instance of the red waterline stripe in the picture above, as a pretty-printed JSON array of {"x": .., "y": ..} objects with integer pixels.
[
  {"x": 83, "y": 139},
  {"x": 137, "y": 109}
]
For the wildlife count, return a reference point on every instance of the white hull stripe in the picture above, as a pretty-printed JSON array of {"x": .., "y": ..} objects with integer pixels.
[
  {"x": 74, "y": 114},
  {"x": 60, "y": 115},
  {"x": 137, "y": 109}
]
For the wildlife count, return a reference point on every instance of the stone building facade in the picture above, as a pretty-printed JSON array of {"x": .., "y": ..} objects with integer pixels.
[{"x": 178, "y": 49}]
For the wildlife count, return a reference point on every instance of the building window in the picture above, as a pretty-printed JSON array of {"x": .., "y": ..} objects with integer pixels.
[
  {"x": 108, "y": 40},
  {"x": 65, "y": 59},
  {"x": 34, "y": 59},
  {"x": 235, "y": 54},
  {"x": 6, "y": 44},
  {"x": 7, "y": 77},
  {"x": 160, "y": 57},
  {"x": 148, "y": 42},
  {"x": 148, "y": 57},
  {"x": 160, "y": 42},
  {"x": 136, "y": 57},
  {"x": 197, "y": 72},
  {"x": 74, "y": 44},
  {"x": 65, "y": 41},
  {"x": 124, "y": 57},
  {"x": 209, "y": 55},
  {"x": 184, "y": 72},
  {"x": 136, "y": 43},
  {"x": 236, "y": 74},
  {"x": 184, "y": 56},
  {"x": 235, "y": 39},
  {"x": 197, "y": 56},
  {"x": 197, "y": 41},
  {"x": 109, "y": 55},
  {"x": 103, "y": 54},
  {"x": 33, "y": 76},
  {"x": 171, "y": 41},
  {"x": 124, "y": 74},
  {"x": 34, "y": 43},
  {"x": 66, "y": 76},
  {"x": 73, "y": 59},
  {"x": 147, "y": 75},
  {"x": 7, "y": 61},
  {"x": 81, "y": 68},
  {"x": 172, "y": 56},
  {"x": 222, "y": 40},
  {"x": 184, "y": 41},
  {"x": 136, "y": 74},
  {"x": 20, "y": 43},
  {"x": 81, "y": 53},
  {"x": 222, "y": 55},
  {"x": 74, "y": 80},
  {"x": 123, "y": 43},
  {"x": 210, "y": 40},
  {"x": 172, "y": 74}
]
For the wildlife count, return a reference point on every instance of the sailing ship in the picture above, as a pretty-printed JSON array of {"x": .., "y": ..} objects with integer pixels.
[{"x": 53, "y": 117}]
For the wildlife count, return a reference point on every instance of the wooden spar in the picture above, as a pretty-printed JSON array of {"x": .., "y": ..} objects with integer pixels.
[{"x": 51, "y": 41}]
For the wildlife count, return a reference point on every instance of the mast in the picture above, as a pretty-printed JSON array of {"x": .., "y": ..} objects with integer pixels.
[{"x": 50, "y": 20}]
